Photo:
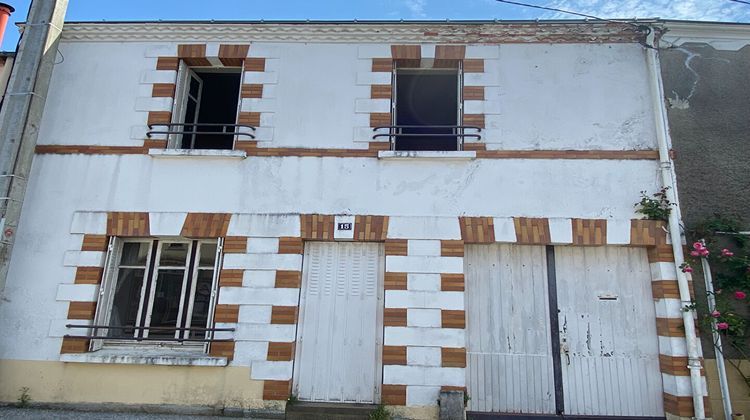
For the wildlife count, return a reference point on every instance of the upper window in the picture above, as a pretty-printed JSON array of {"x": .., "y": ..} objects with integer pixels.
[
  {"x": 158, "y": 291},
  {"x": 206, "y": 107}
]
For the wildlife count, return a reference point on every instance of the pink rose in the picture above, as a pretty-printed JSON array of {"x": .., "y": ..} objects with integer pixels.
[
  {"x": 687, "y": 269},
  {"x": 704, "y": 252},
  {"x": 715, "y": 314},
  {"x": 739, "y": 295},
  {"x": 695, "y": 253},
  {"x": 722, "y": 326},
  {"x": 726, "y": 253},
  {"x": 697, "y": 245}
]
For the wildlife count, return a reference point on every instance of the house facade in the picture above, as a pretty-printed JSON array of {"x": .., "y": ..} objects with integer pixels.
[{"x": 229, "y": 214}]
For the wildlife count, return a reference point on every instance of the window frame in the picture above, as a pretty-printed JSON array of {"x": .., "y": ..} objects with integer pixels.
[{"x": 147, "y": 293}]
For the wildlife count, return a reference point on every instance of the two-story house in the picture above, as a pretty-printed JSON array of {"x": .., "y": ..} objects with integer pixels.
[{"x": 232, "y": 214}]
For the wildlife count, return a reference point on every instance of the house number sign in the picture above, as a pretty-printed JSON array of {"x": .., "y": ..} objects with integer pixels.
[{"x": 345, "y": 226}]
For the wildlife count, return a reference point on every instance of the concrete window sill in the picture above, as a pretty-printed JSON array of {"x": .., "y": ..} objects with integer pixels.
[
  {"x": 160, "y": 357},
  {"x": 204, "y": 153},
  {"x": 424, "y": 154}
]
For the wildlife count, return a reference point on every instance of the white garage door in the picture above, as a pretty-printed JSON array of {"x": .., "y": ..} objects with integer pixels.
[{"x": 340, "y": 324}]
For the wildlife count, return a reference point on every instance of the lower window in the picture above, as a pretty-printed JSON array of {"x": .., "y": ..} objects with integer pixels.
[{"x": 158, "y": 291}]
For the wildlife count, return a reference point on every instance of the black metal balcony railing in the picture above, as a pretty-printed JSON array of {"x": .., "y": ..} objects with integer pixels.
[
  {"x": 199, "y": 129},
  {"x": 161, "y": 329},
  {"x": 427, "y": 133}
]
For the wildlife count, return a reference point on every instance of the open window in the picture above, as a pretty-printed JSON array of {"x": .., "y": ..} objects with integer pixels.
[{"x": 158, "y": 291}]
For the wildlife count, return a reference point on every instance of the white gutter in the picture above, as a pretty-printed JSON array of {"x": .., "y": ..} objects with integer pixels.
[{"x": 675, "y": 234}]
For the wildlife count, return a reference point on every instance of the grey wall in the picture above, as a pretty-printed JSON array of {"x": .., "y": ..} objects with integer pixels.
[{"x": 709, "y": 115}]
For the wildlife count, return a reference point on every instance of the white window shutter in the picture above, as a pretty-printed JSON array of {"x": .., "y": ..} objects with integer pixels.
[{"x": 106, "y": 290}]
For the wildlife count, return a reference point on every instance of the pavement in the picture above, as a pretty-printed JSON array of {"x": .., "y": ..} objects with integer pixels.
[{"x": 55, "y": 414}]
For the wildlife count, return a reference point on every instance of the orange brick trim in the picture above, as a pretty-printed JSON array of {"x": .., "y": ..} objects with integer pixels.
[
  {"x": 280, "y": 352},
  {"x": 660, "y": 253},
  {"x": 231, "y": 278},
  {"x": 589, "y": 231},
  {"x": 159, "y": 117},
  {"x": 288, "y": 279},
  {"x": 453, "y": 388},
  {"x": 250, "y": 147},
  {"x": 193, "y": 54},
  {"x": 394, "y": 355},
  {"x": 276, "y": 390},
  {"x": 94, "y": 243},
  {"x": 168, "y": 63},
  {"x": 233, "y": 55},
  {"x": 88, "y": 275},
  {"x": 380, "y": 91},
  {"x": 222, "y": 349},
  {"x": 452, "y": 283},
  {"x": 531, "y": 231},
  {"x": 235, "y": 245},
  {"x": 284, "y": 315},
  {"x": 163, "y": 90},
  {"x": 395, "y": 281},
  {"x": 477, "y": 147},
  {"x": 128, "y": 224},
  {"x": 255, "y": 64},
  {"x": 206, "y": 225},
  {"x": 474, "y": 65},
  {"x": 382, "y": 65},
  {"x": 394, "y": 317},
  {"x": 370, "y": 228},
  {"x": 450, "y": 52},
  {"x": 452, "y": 319},
  {"x": 473, "y": 93},
  {"x": 670, "y": 327},
  {"x": 667, "y": 289},
  {"x": 683, "y": 406},
  {"x": 477, "y": 230},
  {"x": 396, "y": 247},
  {"x": 677, "y": 365},
  {"x": 290, "y": 245},
  {"x": 249, "y": 118},
  {"x": 227, "y": 313},
  {"x": 474, "y": 119},
  {"x": 393, "y": 395},
  {"x": 453, "y": 357},
  {"x": 81, "y": 310},
  {"x": 252, "y": 91},
  {"x": 406, "y": 52},
  {"x": 452, "y": 248},
  {"x": 378, "y": 119},
  {"x": 74, "y": 345},
  {"x": 648, "y": 232},
  {"x": 317, "y": 226}
]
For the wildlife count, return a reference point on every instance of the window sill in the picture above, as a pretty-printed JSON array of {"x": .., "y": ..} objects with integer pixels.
[
  {"x": 159, "y": 357},
  {"x": 207, "y": 153},
  {"x": 425, "y": 154}
]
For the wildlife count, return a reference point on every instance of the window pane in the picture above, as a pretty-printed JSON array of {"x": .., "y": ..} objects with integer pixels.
[
  {"x": 195, "y": 87},
  {"x": 125, "y": 303},
  {"x": 173, "y": 254},
  {"x": 208, "y": 255},
  {"x": 201, "y": 302},
  {"x": 166, "y": 302},
  {"x": 134, "y": 253}
]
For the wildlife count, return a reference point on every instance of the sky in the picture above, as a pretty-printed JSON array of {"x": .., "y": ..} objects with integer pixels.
[{"x": 117, "y": 10}]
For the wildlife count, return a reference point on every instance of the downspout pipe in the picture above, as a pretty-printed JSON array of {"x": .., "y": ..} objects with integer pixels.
[{"x": 668, "y": 180}]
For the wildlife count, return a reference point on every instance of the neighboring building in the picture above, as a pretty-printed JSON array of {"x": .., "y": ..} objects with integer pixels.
[
  {"x": 489, "y": 244},
  {"x": 705, "y": 67}
]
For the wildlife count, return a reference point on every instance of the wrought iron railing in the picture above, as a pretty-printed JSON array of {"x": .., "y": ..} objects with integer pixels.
[
  {"x": 94, "y": 336},
  {"x": 184, "y": 129},
  {"x": 416, "y": 132}
]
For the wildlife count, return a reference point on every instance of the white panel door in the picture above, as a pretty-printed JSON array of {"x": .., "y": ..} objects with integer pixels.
[
  {"x": 509, "y": 340},
  {"x": 610, "y": 357},
  {"x": 340, "y": 326}
]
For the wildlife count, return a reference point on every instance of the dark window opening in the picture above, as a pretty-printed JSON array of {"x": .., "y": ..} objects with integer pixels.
[
  {"x": 211, "y": 100},
  {"x": 427, "y": 111}
]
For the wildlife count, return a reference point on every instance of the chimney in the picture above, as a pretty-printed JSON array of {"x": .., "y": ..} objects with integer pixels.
[{"x": 5, "y": 11}]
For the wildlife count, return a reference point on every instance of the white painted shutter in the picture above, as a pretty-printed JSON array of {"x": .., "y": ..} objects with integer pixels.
[
  {"x": 607, "y": 323},
  {"x": 508, "y": 334},
  {"x": 106, "y": 290}
]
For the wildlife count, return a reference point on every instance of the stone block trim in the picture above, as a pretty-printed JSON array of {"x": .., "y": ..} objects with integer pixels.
[
  {"x": 683, "y": 406},
  {"x": 249, "y": 118},
  {"x": 235, "y": 245},
  {"x": 393, "y": 395},
  {"x": 227, "y": 313},
  {"x": 370, "y": 228},
  {"x": 394, "y": 317},
  {"x": 473, "y": 65},
  {"x": 81, "y": 310},
  {"x": 396, "y": 247},
  {"x": 382, "y": 65},
  {"x": 395, "y": 281},
  {"x": 159, "y": 117},
  {"x": 380, "y": 91},
  {"x": 168, "y": 63},
  {"x": 128, "y": 224},
  {"x": 74, "y": 345},
  {"x": 676, "y": 365},
  {"x": 589, "y": 231},
  {"x": 230, "y": 278},
  {"x": 531, "y": 231},
  {"x": 317, "y": 226},
  {"x": 255, "y": 64},
  {"x": 670, "y": 327},
  {"x": 193, "y": 54},
  {"x": 667, "y": 289},
  {"x": 452, "y": 319},
  {"x": 452, "y": 283},
  {"x": 452, "y": 248},
  {"x": 206, "y": 225},
  {"x": 284, "y": 315},
  {"x": 660, "y": 253},
  {"x": 222, "y": 349},
  {"x": 88, "y": 275},
  {"x": 453, "y": 357},
  {"x": 288, "y": 279},
  {"x": 280, "y": 352},
  {"x": 473, "y": 93},
  {"x": 163, "y": 90},
  {"x": 289, "y": 245},
  {"x": 648, "y": 232},
  {"x": 379, "y": 119},
  {"x": 276, "y": 390},
  {"x": 233, "y": 55},
  {"x": 95, "y": 243},
  {"x": 477, "y": 230},
  {"x": 251, "y": 91},
  {"x": 394, "y": 355}
]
